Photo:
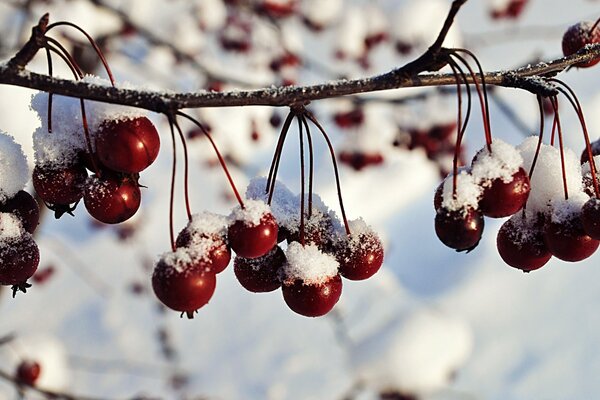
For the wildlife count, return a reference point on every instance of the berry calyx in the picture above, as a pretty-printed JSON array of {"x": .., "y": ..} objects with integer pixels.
[
  {"x": 183, "y": 282},
  {"x": 112, "y": 198},
  {"x": 127, "y": 145},
  {"x": 590, "y": 218},
  {"x": 253, "y": 232},
  {"x": 262, "y": 274},
  {"x": 578, "y": 36},
  {"x": 59, "y": 185},
  {"x": 521, "y": 245},
  {"x": 312, "y": 299},
  {"x": 24, "y": 207},
  {"x": 360, "y": 254},
  {"x": 568, "y": 241},
  {"x": 459, "y": 229},
  {"x": 28, "y": 372}
]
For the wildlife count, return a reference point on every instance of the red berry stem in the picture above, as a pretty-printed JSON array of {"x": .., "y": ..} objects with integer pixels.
[
  {"x": 172, "y": 194},
  {"x": 88, "y": 140},
  {"x": 311, "y": 164},
  {"x": 302, "y": 184},
  {"x": 540, "y": 137},
  {"x": 579, "y": 111},
  {"x": 92, "y": 42},
  {"x": 335, "y": 167},
  {"x": 271, "y": 179},
  {"x": 560, "y": 146},
  {"x": 186, "y": 190},
  {"x": 594, "y": 27},
  {"x": 553, "y": 134},
  {"x": 50, "y": 73},
  {"x": 482, "y": 94},
  {"x": 219, "y": 156},
  {"x": 455, "y": 70},
  {"x": 65, "y": 55}
]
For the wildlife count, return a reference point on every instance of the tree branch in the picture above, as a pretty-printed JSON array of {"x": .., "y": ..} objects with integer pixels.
[{"x": 283, "y": 96}]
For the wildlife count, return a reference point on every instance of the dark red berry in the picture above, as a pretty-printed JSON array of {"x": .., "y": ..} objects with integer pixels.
[
  {"x": 360, "y": 256},
  {"x": 460, "y": 229},
  {"x": 359, "y": 160},
  {"x": 260, "y": 275},
  {"x": 349, "y": 119},
  {"x": 112, "y": 198},
  {"x": 276, "y": 9},
  {"x": 404, "y": 48},
  {"x": 568, "y": 241},
  {"x": 502, "y": 199},
  {"x": 183, "y": 287},
  {"x": 312, "y": 299},
  {"x": 218, "y": 253},
  {"x": 127, "y": 145},
  {"x": 318, "y": 230},
  {"x": 28, "y": 372},
  {"x": 20, "y": 258},
  {"x": 24, "y": 207},
  {"x": 590, "y": 218},
  {"x": 521, "y": 244},
  {"x": 42, "y": 275},
  {"x": 512, "y": 10},
  {"x": 59, "y": 185},
  {"x": 578, "y": 36},
  {"x": 252, "y": 241},
  {"x": 438, "y": 197}
]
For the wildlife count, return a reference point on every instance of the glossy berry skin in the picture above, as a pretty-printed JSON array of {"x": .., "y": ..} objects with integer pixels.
[
  {"x": 253, "y": 241},
  {"x": 20, "y": 260},
  {"x": 502, "y": 199},
  {"x": 260, "y": 275},
  {"x": 361, "y": 257},
  {"x": 111, "y": 198},
  {"x": 590, "y": 218},
  {"x": 526, "y": 251},
  {"x": 183, "y": 289},
  {"x": 219, "y": 253},
  {"x": 460, "y": 230},
  {"x": 576, "y": 37},
  {"x": 568, "y": 241},
  {"x": 28, "y": 372},
  {"x": 24, "y": 206},
  {"x": 312, "y": 300},
  {"x": 62, "y": 186},
  {"x": 127, "y": 145}
]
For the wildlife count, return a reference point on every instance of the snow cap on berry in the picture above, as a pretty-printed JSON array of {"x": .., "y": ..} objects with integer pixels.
[
  {"x": 502, "y": 163},
  {"x": 184, "y": 258},
  {"x": 207, "y": 223},
  {"x": 564, "y": 210},
  {"x": 547, "y": 178},
  {"x": 308, "y": 264},
  {"x": 415, "y": 353},
  {"x": 11, "y": 228},
  {"x": 251, "y": 214},
  {"x": 62, "y": 146},
  {"x": 468, "y": 192},
  {"x": 585, "y": 168},
  {"x": 358, "y": 230},
  {"x": 283, "y": 204},
  {"x": 14, "y": 171}
]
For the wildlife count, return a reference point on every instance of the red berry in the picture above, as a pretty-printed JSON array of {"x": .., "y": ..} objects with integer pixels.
[
  {"x": 24, "y": 207},
  {"x": 460, "y": 229},
  {"x": 360, "y": 256},
  {"x": 502, "y": 199},
  {"x": 61, "y": 186},
  {"x": 260, "y": 275},
  {"x": 20, "y": 258},
  {"x": 252, "y": 241},
  {"x": 312, "y": 299},
  {"x": 568, "y": 241},
  {"x": 513, "y": 10},
  {"x": 184, "y": 285},
  {"x": 349, "y": 119},
  {"x": 42, "y": 275},
  {"x": 127, "y": 145},
  {"x": 28, "y": 372},
  {"x": 218, "y": 253},
  {"x": 359, "y": 160},
  {"x": 578, "y": 36},
  {"x": 438, "y": 197},
  {"x": 111, "y": 198},
  {"x": 590, "y": 218},
  {"x": 521, "y": 244}
]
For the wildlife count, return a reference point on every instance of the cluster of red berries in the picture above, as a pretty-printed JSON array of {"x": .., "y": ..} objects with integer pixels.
[
  {"x": 495, "y": 185},
  {"x": 308, "y": 271},
  {"x": 123, "y": 148}
]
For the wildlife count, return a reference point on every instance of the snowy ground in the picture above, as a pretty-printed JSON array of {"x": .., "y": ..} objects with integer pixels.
[{"x": 533, "y": 336}]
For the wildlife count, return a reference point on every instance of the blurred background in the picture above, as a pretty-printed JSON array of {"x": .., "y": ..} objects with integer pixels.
[{"x": 431, "y": 324}]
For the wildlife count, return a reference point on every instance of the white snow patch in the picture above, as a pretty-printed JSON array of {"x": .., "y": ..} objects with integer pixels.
[
  {"x": 14, "y": 170},
  {"x": 468, "y": 192},
  {"x": 251, "y": 214},
  {"x": 308, "y": 264},
  {"x": 502, "y": 163}
]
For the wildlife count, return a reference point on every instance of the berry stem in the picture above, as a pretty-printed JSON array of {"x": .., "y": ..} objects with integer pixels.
[
  {"x": 65, "y": 53},
  {"x": 594, "y": 27},
  {"x": 301, "y": 139},
  {"x": 459, "y": 125},
  {"x": 271, "y": 179},
  {"x": 185, "y": 170},
  {"x": 335, "y": 168},
  {"x": 553, "y": 134},
  {"x": 88, "y": 140},
  {"x": 219, "y": 156},
  {"x": 482, "y": 99},
  {"x": 92, "y": 42},
  {"x": 311, "y": 165},
  {"x": 172, "y": 194},
  {"x": 50, "y": 73},
  {"x": 540, "y": 136},
  {"x": 560, "y": 146}
]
